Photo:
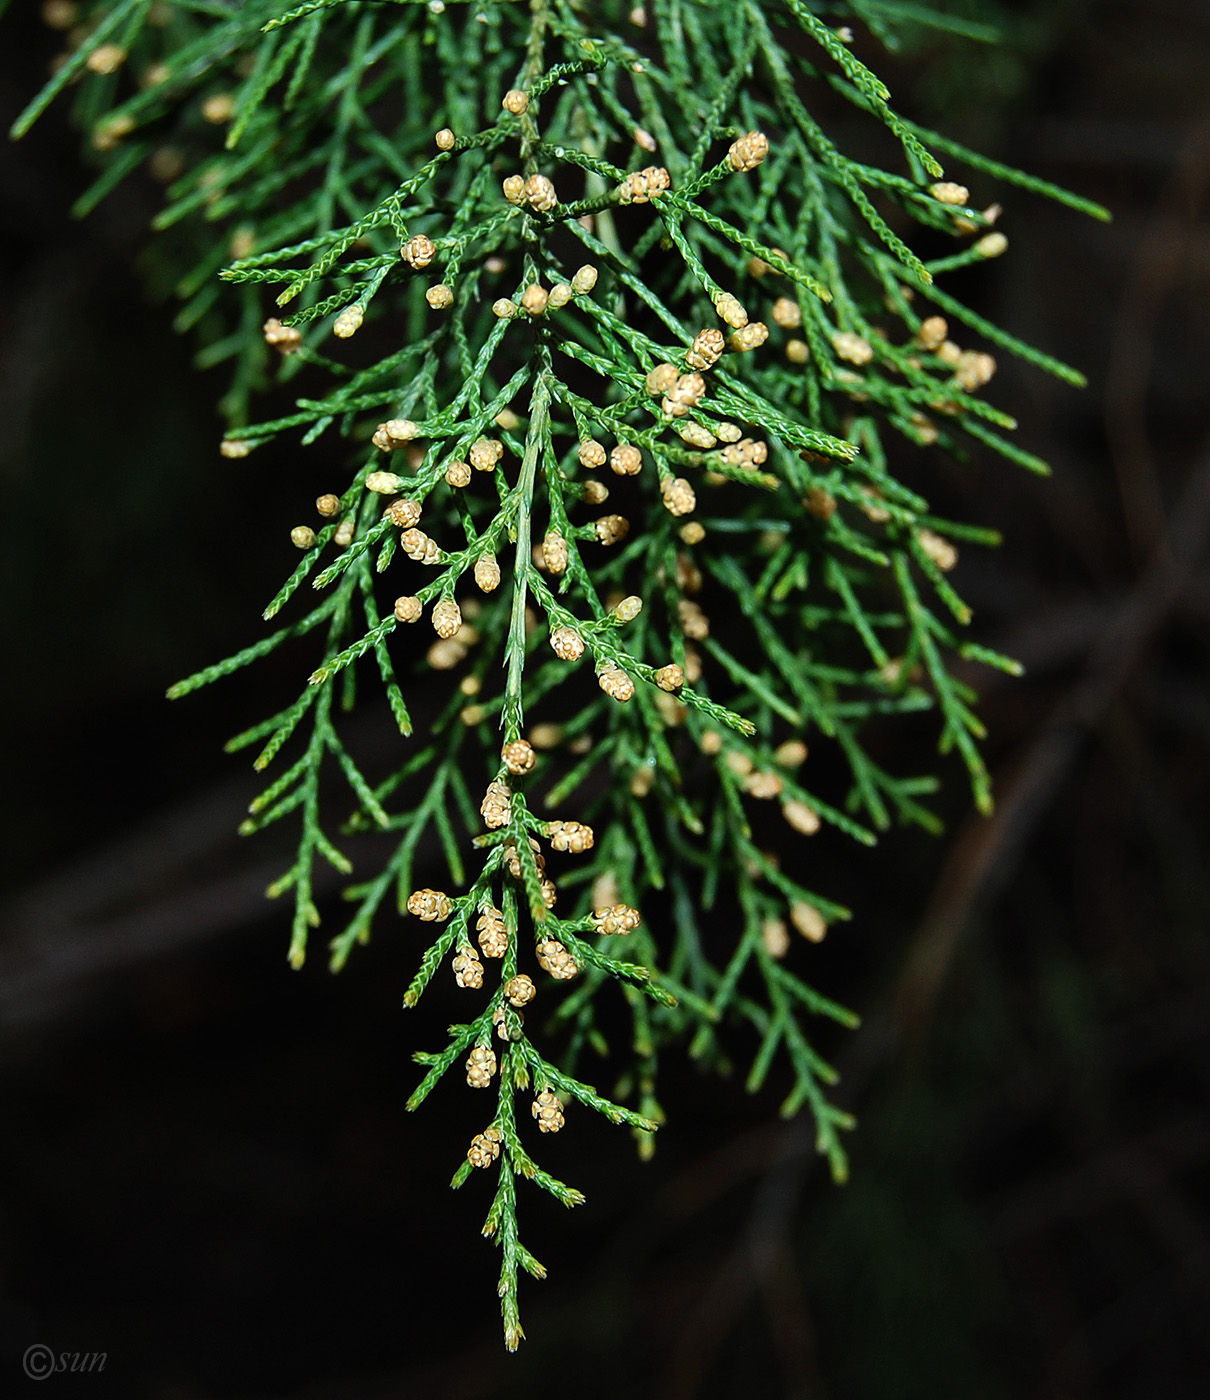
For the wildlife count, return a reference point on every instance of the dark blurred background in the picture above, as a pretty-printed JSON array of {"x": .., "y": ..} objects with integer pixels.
[{"x": 205, "y": 1167}]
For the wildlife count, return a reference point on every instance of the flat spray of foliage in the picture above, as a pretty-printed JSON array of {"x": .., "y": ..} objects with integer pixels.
[{"x": 641, "y": 346}]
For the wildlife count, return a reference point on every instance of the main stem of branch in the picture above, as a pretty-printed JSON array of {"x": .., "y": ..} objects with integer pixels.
[{"x": 536, "y": 439}]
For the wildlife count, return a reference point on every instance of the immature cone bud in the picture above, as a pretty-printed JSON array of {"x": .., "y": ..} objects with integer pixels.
[
  {"x": 60, "y": 14},
  {"x": 115, "y": 129},
  {"x": 487, "y": 573},
  {"x": 417, "y": 545},
  {"x": 485, "y": 453},
  {"x": 107, "y": 58},
  {"x": 444, "y": 655},
  {"x": 554, "y": 958},
  {"x": 949, "y": 193},
  {"x": 694, "y": 622},
  {"x": 808, "y": 921},
  {"x": 519, "y": 757},
  {"x": 501, "y": 1026},
  {"x": 596, "y": 493},
  {"x": 801, "y": 817},
  {"x": 695, "y": 435},
  {"x": 939, "y": 550},
  {"x": 707, "y": 346},
  {"x": 791, "y": 754},
  {"x": 418, "y": 252},
  {"x": 468, "y": 971},
  {"x": 854, "y": 348},
  {"x": 458, "y": 473},
  {"x": 616, "y": 918},
  {"x": 750, "y": 337},
  {"x": 560, "y": 294},
  {"x": 612, "y": 529},
  {"x": 302, "y": 537},
  {"x": 991, "y": 245},
  {"x": 567, "y": 643},
  {"x": 540, "y": 193},
  {"x": 787, "y": 313},
  {"x": 661, "y": 379},
  {"x": 628, "y": 609},
  {"x": 584, "y": 280},
  {"x": 738, "y": 762},
  {"x": 776, "y": 937},
  {"x": 344, "y": 533},
  {"x": 520, "y": 990},
  {"x": 974, "y": 369},
  {"x": 548, "y": 1111},
  {"x": 484, "y": 1148},
  {"x": 592, "y": 454},
  {"x": 408, "y": 609},
  {"x": 445, "y": 139},
  {"x": 694, "y": 532},
  {"x": 447, "y": 617},
  {"x": 616, "y": 683},
  {"x": 393, "y": 433},
  {"x": 932, "y": 333},
  {"x": 764, "y": 785},
  {"x": 493, "y": 936},
  {"x": 439, "y": 296},
  {"x": 870, "y": 507},
  {"x": 495, "y": 807},
  {"x": 731, "y": 311},
  {"x": 554, "y": 553},
  {"x": 384, "y": 483},
  {"x": 640, "y": 185},
  {"x": 657, "y": 179},
  {"x": 216, "y": 110},
  {"x": 625, "y": 460},
  {"x": 234, "y": 447},
  {"x": 403, "y": 512},
  {"x": 534, "y": 299},
  {"x": 748, "y": 152},
  {"x": 514, "y": 188},
  {"x": 670, "y": 678},
  {"x": 504, "y": 309},
  {"x": 798, "y": 352},
  {"x": 514, "y": 860},
  {"x": 328, "y": 505},
  {"x": 284, "y": 338},
  {"x": 429, "y": 905},
  {"x": 570, "y": 836},
  {"x": 348, "y": 322},
  {"x": 679, "y": 496},
  {"x": 746, "y": 453},
  {"x": 515, "y": 101},
  {"x": 480, "y": 1066},
  {"x": 642, "y": 780},
  {"x": 685, "y": 394}
]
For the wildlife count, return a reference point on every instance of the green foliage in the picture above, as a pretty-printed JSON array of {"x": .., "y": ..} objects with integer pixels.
[{"x": 763, "y": 572}]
